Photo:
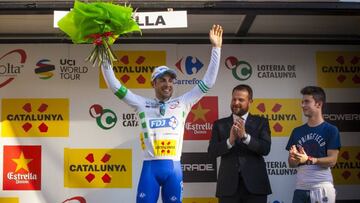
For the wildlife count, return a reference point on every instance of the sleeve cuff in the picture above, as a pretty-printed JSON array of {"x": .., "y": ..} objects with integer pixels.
[
  {"x": 247, "y": 139},
  {"x": 229, "y": 146}
]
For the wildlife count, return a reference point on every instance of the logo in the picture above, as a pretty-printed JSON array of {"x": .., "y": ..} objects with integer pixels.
[
  {"x": 9, "y": 200},
  {"x": 44, "y": 69},
  {"x": 346, "y": 170},
  {"x": 198, "y": 167},
  {"x": 283, "y": 114},
  {"x": 105, "y": 118},
  {"x": 97, "y": 168},
  {"x": 10, "y": 67},
  {"x": 78, "y": 199},
  {"x": 279, "y": 168},
  {"x": 35, "y": 118},
  {"x": 277, "y": 201},
  {"x": 338, "y": 69},
  {"x": 191, "y": 65},
  {"x": 241, "y": 70},
  {"x": 164, "y": 147},
  {"x": 69, "y": 70},
  {"x": 164, "y": 123},
  {"x": 345, "y": 116},
  {"x": 22, "y": 168},
  {"x": 130, "y": 120},
  {"x": 134, "y": 68},
  {"x": 200, "y": 120}
]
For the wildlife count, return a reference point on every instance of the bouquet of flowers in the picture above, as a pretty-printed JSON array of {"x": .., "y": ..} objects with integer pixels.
[{"x": 99, "y": 23}]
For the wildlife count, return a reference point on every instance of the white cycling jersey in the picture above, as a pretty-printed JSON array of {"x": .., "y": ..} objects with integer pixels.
[{"x": 162, "y": 135}]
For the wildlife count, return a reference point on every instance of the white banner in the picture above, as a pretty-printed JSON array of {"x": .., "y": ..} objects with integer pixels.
[{"x": 148, "y": 20}]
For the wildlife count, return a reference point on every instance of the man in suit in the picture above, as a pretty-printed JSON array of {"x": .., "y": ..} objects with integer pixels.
[{"x": 241, "y": 140}]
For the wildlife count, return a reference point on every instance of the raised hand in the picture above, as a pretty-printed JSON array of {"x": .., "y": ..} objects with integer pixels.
[{"x": 215, "y": 35}]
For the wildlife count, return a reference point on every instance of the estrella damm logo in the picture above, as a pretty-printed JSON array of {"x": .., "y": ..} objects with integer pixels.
[
  {"x": 346, "y": 171},
  {"x": 97, "y": 168},
  {"x": 134, "y": 68},
  {"x": 164, "y": 123},
  {"x": 9, "y": 200},
  {"x": 200, "y": 200},
  {"x": 35, "y": 118},
  {"x": 22, "y": 168},
  {"x": 200, "y": 120},
  {"x": 337, "y": 69},
  {"x": 283, "y": 114},
  {"x": 164, "y": 147},
  {"x": 11, "y": 65}
]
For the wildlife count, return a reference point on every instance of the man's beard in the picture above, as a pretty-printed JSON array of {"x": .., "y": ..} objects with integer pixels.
[{"x": 240, "y": 112}]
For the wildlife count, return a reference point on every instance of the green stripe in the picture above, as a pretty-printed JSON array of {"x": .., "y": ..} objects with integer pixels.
[
  {"x": 146, "y": 135},
  {"x": 142, "y": 119},
  {"x": 121, "y": 92},
  {"x": 203, "y": 87},
  {"x": 142, "y": 115}
]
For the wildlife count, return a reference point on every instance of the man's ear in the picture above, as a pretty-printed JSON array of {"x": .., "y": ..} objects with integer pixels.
[{"x": 319, "y": 104}]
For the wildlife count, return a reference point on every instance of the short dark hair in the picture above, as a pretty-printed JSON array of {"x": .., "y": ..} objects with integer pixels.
[
  {"x": 243, "y": 87},
  {"x": 317, "y": 92}
]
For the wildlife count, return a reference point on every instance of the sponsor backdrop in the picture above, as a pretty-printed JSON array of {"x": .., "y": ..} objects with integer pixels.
[{"x": 65, "y": 138}]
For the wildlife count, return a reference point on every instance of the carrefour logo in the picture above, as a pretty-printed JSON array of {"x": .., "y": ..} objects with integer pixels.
[
  {"x": 105, "y": 118},
  {"x": 9, "y": 68},
  {"x": 189, "y": 65},
  {"x": 164, "y": 123},
  {"x": 241, "y": 70}
]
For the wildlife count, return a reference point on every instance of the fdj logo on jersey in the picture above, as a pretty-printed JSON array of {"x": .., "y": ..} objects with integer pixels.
[
  {"x": 105, "y": 118},
  {"x": 241, "y": 70},
  {"x": 164, "y": 123}
]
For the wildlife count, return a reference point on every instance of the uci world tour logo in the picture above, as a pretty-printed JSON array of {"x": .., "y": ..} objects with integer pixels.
[
  {"x": 105, "y": 118},
  {"x": 241, "y": 70},
  {"x": 44, "y": 69},
  {"x": 8, "y": 70}
]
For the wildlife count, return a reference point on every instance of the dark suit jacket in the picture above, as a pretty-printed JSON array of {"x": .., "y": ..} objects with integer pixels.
[{"x": 246, "y": 158}]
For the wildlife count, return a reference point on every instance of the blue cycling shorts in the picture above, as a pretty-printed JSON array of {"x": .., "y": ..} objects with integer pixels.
[{"x": 166, "y": 174}]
